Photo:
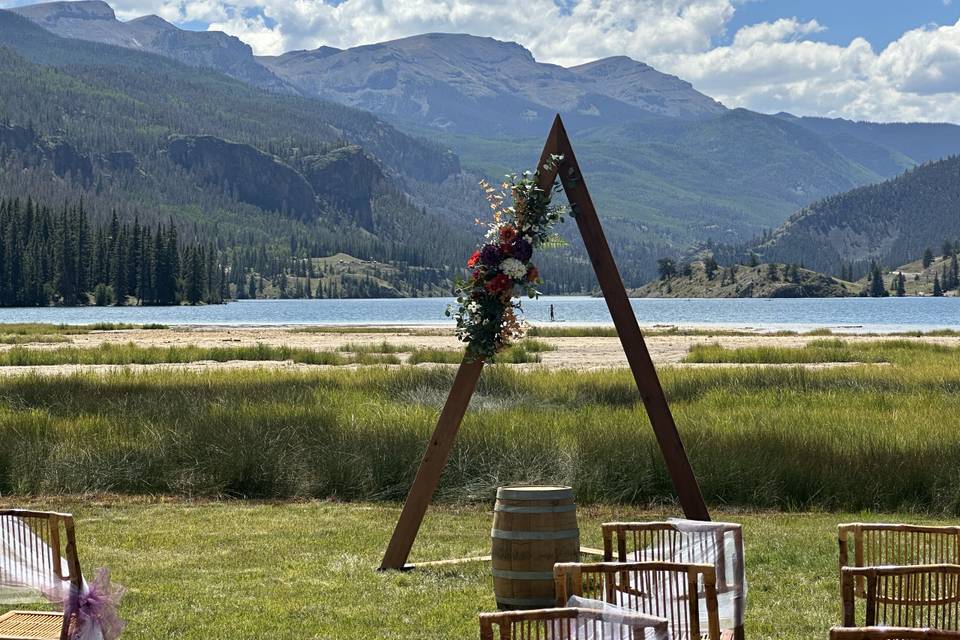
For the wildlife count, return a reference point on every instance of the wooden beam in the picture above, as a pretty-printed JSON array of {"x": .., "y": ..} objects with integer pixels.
[
  {"x": 644, "y": 373},
  {"x": 434, "y": 459}
]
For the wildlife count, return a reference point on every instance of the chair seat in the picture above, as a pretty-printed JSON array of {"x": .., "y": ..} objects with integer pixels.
[{"x": 31, "y": 625}]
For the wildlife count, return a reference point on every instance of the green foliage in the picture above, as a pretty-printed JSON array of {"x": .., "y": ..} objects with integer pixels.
[
  {"x": 881, "y": 223},
  {"x": 62, "y": 258},
  {"x": 130, "y": 353},
  {"x": 757, "y": 436}
]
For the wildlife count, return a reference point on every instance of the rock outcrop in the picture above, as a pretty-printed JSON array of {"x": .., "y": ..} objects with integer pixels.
[{"x": 252, "y": 175}]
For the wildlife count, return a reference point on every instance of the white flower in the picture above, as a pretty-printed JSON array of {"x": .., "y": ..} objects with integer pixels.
[{"x": 513, "y": 268}]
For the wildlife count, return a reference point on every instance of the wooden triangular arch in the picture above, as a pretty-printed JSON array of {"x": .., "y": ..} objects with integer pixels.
[{"x": 644, "y": 373}]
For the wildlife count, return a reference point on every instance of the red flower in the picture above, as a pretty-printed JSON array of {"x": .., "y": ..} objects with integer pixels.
[
  {"x": 474, "y": 259},
  {"x": 506, "y": 249},
  {"x": 532, "y": 274},
  {"x": 477, "y": 275},
  {"x": 508, "y": 234},
  {"x": 500, "y": 282}
]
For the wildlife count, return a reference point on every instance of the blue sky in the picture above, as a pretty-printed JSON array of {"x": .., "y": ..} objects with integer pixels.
[
  {"x": 883, "y": 60},
  {"x": 880, "y": 22}
]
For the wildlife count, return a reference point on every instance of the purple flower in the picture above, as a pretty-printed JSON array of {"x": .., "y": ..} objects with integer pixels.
[
  {"x": 522, "y": 250},
  {"x": 490, "y": 255}
]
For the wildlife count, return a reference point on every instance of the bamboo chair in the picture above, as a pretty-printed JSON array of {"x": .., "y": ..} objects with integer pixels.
[
  {"x": 55, "y": 530},
  {"x": 891, "y": 633},
  {"x": 672, "y": 590},
  {"x": 904, "y": 596},
  {"x": 564, "y": 623},
  {"x": 878, "y": 545},
  {"x": 664, "y": 541}
]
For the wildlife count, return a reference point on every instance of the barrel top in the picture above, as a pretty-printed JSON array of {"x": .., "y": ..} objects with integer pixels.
[{"x": 534, "y": 493}]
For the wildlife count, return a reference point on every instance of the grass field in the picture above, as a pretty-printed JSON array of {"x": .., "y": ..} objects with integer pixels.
[
  {"x": 904, "y": 352},
  {"x": 859, "y": 437},
  {"x": 525, "y": 351},
  {"x": 801, "y": 441},
  {"x": 248, "y": 570}
]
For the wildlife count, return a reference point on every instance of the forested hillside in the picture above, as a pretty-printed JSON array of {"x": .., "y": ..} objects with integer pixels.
[
  {"x": 85, "y": 121},
  {"x": 889, "y": 223}
]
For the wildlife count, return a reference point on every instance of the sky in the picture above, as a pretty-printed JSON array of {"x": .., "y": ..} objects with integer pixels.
[{"x": 882, "y": 60}]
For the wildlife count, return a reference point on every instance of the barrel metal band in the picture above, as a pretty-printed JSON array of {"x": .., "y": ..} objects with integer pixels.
[
  {"x": 563, "y": 508},
  {"x": 503, "y": 534},
  {"x": 523, "y": 575},
  {"x": 526, "y": 494}
]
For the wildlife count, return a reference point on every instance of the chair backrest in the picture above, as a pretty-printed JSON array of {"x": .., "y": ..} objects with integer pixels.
[
  {"x": 685, "y": 594},
  {"x": 717, "y": 543},
  {"x": 879, "y": 545},
  {"x": 39, "y": 549},
  {"x": 891, "y": 633},
  {"x": 565, "y": 623},
  {"x": 904, "y": 596}
]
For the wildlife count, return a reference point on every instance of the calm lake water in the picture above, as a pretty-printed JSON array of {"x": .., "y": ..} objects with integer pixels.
[{"x": 840, "y": 314}]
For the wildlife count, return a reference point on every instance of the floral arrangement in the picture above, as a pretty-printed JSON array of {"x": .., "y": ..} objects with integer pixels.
[{"x": 501, "y": 268}]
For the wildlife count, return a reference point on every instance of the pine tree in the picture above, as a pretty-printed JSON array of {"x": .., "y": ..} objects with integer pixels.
[
  {"x": 937, "y": 291},
  {"x": 900, "y": 285},
  {"x": 877, "y": 288},
  {"x": 927, "y": 257}
]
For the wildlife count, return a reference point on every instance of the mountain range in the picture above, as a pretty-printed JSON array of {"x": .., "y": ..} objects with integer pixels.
[{"x": 668, "y": 166}]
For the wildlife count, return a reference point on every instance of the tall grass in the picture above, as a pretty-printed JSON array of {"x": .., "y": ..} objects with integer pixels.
[
  {"x": 409, "y": 331},
  {"x": 123, "y": 354},
  {"x": 818, "y": 351},
  {"x": 32, "y": 338},
  {"x": 420, "y": 355},
  {"x": 376, "y": 347},
  {"x": 32, "y": 328},
  {"x": 852, "y": 438}
]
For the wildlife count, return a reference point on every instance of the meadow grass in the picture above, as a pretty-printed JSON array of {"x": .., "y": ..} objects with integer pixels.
[
  {"x": 41, "y": 338},
  {"x": 420, "y": 355},
  {"x": 817, "y": 351},
  {"x": 858, "y": 437},
  {"x": 249, "y": 570},
  {"x": 525, "y": 351},
  {"x": 130, "y": 353},
  {"x": 376, "y": 347},
  {"x": 35, "y": 328},
  {"x": 409, "y": 331}
]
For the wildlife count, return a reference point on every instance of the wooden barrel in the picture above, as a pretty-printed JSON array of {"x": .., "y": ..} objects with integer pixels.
[{"x": 533, "y": 528}]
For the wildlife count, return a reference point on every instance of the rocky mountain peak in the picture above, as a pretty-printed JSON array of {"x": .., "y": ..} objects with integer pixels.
[
  {"x": 54, "y": 11},
  {"x": 153, "y": 21}
]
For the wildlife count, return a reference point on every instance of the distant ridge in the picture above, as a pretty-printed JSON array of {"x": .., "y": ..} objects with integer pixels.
[
  {"x": 96, "y": 21},
  {"x": 890, "y": 223}
]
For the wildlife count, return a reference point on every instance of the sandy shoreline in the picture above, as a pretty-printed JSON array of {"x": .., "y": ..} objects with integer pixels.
[{"x": 579, "y": 353}]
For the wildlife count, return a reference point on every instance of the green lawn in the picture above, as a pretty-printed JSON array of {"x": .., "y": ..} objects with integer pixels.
[{"x": 307, "y": 570}]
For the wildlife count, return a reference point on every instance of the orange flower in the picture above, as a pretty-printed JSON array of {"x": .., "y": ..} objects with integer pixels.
[
  {"x": 474, "y": 259},
  {"x": 532, "y": 274},
  {"x": 507, "y": 234}
]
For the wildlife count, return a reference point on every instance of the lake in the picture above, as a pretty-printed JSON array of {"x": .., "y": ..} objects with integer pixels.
[{"x": 839, "y": 314}]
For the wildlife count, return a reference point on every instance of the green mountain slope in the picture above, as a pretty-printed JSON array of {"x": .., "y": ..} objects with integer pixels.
[
  {"x": 890, "y": 223},
  {"x": 672, "y": 182},
  {"x": 82, "y": 120}
]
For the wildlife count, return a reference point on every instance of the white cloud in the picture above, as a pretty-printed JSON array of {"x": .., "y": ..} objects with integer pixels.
[
  {"x": 777, "y": 31},
  {"x": 916, "y": 77},
  {"x": 768, "y": 66}
]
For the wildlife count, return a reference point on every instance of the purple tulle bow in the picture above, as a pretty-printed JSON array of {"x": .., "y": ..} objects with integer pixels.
[{"x": 96, "y": 609}]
